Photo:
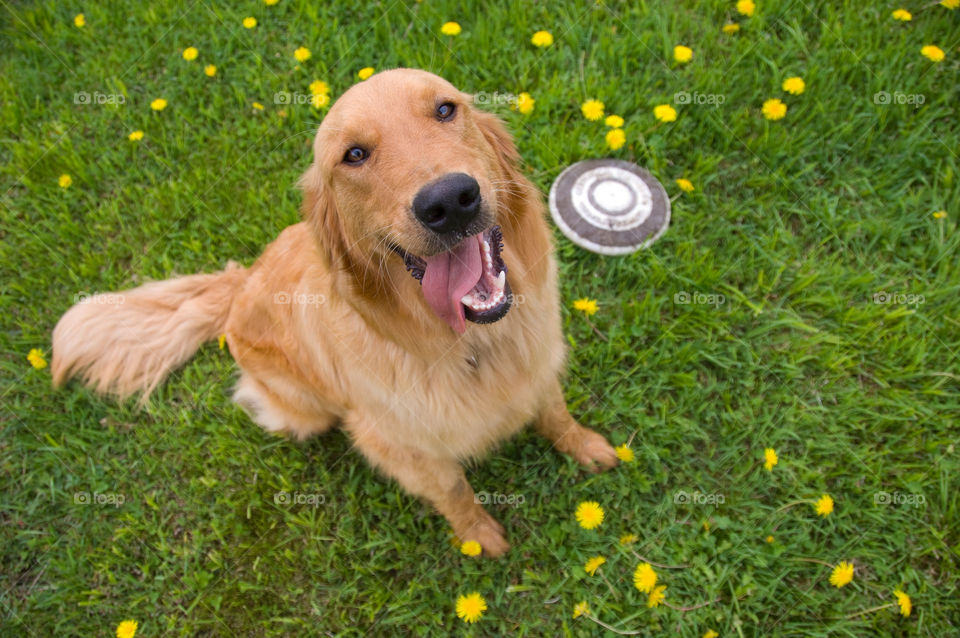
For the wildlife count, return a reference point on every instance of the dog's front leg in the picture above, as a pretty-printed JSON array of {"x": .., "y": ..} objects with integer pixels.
[
  {"x": 587, "y": 447},
  {"x": 439, "y": 480}
]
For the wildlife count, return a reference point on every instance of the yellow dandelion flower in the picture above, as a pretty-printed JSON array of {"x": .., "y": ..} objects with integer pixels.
[
  {"x": 769, "y": 539},
  {"x": 471, "y": 548},
  {"x": 614, "y": 121},
  {"x": 127, "y": 629},
  {"x": 270, "y": 3},
  {"x": 580, "y": 609},
  {"x": 592, "y": 110},
  {"x": 79, "y": 20},
  {"x": 158, "y": 104},
  {"x": 682, "y": 54},
  {"x": 770, "y": 458},
  {"x": 665, "y": 113},
  {"x": 64, "y": 181},
  {"x": 594, "y": 564},
  {"x": 656, "y": 596},
  {"x": 222, "y": 341},
  {"x": 685, "y": 184},
  {"x": 730, "y": 29},
  {"x": 616, "y": 138},
  {"x": 842, "y": 574},
  {"x": 710, "y": 634},
  {"x": 940, "y": 214},
  {"x": 902, "y": 15},
  {"x": 903, "y": 600},
  {"x": 319, "y": 100},
  {"x": 794, "y": 85},
  {"x": 302, "y": 54},
  {"x": 210, "y": 70},
  {"x": 524, "y": 104},
  {"x": 950, "y": 4},
  {"x": 589, "y": 514},
  {"x": 932, "y": 53},
  {"x": 628, "y": 539},
  {"x": 35, "y": 357},
  {"x": 450, "y": 28},
  {"x": 624, "y": 453},
  {"x": 249, "y": 23},
  {"x": 586, "y": 306},
  {"x": 644, "y": 578},
  {"x": 774, "y": 109},
  {"x": 471, "y": 607},
  {"x": 258, "y": 106},
  {"x": 319, "y": 87},
  {"x": 190, "y": 53},
  {"x": 135, "y": 136},
  {"x": 824, "y": 505},
  {"x": 542, "y": 39},
  {"x": 365, "y": 72},
  {"x": 746, "y": 7}
]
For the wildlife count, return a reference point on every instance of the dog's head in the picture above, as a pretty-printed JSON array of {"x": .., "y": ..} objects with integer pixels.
[{"x": 406, "y": 169}]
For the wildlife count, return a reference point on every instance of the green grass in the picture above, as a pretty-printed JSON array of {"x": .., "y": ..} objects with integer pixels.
[{"x": 798, "y": 223}]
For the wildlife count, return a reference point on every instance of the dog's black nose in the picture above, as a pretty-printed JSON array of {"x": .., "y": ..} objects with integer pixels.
[{"x": 449, "y": 203}]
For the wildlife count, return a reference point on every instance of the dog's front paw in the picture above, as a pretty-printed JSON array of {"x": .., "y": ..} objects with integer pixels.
[
  {"x": 485, "y": 530},
  {"x": 594, "y": 452}
]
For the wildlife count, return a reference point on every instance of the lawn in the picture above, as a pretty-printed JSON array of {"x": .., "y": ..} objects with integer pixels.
[{"x": 805, "y": 299}]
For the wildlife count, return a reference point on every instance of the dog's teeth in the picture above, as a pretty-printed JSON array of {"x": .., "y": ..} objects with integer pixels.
[
  {"x": 502, "y": 279},
  {"x": 467, "y": 300}
]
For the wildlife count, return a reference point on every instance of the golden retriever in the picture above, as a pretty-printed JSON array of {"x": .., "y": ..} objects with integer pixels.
[{"x": 416, "y": 306}]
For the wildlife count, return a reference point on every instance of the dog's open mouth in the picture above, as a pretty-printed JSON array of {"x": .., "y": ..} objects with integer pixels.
[{"x": 468, "y": 282}]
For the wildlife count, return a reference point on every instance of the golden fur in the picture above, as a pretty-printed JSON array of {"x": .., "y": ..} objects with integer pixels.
[{"x": 329, "y": 328}]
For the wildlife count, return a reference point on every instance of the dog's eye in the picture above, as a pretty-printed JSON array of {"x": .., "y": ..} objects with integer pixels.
[
  {"x": 446, "y": 111},
  {"x": 355, "y": 155}
]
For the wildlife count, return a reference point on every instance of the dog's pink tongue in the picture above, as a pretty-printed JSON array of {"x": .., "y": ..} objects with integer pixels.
[{"x": 449, "y": 276}]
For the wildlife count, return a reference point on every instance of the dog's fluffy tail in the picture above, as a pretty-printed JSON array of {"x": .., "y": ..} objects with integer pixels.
[{"x": 122, "y": 343}]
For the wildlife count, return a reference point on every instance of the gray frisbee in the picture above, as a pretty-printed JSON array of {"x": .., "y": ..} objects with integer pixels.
[{"x": 608, "y": 206}]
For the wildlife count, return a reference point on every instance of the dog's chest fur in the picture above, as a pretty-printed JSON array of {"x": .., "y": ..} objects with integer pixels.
[
  {"x": 466, "y": 394},
  {"x": 478, "y": 393}
]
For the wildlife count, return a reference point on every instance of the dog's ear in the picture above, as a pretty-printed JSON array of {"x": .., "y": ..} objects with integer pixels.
[
  {"x": 496, "y": 135},
  {"x": 320, "y": 212}
]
